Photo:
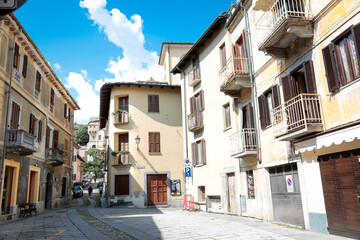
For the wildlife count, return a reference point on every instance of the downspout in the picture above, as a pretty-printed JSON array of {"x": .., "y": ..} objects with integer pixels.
[
  {"x": 185, "y": 123},
  {"x": 8, "y": 109},
  {"x": 251, "y": 78}
]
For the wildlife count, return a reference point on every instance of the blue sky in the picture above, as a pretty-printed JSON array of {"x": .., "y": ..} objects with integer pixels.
[{"x": 89, "y": 42}]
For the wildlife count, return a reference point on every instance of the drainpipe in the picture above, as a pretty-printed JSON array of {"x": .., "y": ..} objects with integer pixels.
[
  {"x": 8, "y": 108},
  {"x": 185, "y": 123},
  {"x": 251, "y": 78}
]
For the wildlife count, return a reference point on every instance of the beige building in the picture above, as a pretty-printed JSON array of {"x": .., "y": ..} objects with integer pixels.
[{"x": 37, "y": 141}]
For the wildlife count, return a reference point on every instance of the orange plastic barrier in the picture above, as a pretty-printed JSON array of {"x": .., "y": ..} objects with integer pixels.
[{"x": 189, "y": 203}]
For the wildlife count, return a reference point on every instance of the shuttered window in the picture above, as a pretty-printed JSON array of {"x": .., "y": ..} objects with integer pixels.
[
  {"x": 25, "y": 63},
  {"x": 198, "y": 152},
  {"x": 15, "y": 116},
  {"x": 197, "y": 102},
  {"x": 153, "y": 103},
  {"x": 342, "y": 59},
  {"x": 65, "y": 110},
  {"x": 48, "y": 132},
  {"x": 38, "y": 82},
  {"x": 55, "y": 138},
  {"x": 154, "y": 142},
  {"x": 268, "y": 101},
  {"x": 16, "y": 56},
  {"x": 32, "y": 125},
  {"x": 223, "y": 55},
  {"x": 40, "y": 131},
  {"x": 227, "y": 116},
  {"x": 52, "y": 98}
]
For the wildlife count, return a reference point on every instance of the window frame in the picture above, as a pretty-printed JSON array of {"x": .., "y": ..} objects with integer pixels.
[
  {"x": 227, "y": 115},
  {"x": 223, "y": 59},
  {"x": 153, "y": 103},
  {"x": 153, "y": 142},
  {"x": 195, "y": 152}
]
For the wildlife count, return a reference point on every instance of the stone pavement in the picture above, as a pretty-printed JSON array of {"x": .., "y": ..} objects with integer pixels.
[{"x": 167, "y": 223}]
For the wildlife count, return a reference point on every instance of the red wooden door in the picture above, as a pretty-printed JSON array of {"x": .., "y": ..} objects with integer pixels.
[
  {"x": 340, "y": 174},
  {"x": 157, "y": 189}
]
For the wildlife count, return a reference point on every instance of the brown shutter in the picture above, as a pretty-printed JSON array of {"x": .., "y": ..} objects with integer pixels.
[
  {"x": 203, "y": 160},
  {"x": 52, "y": 93},
  {"x": 150, "y": 105},
  {"x": 38, "y": 81},
  {"x": 192, "y": 104},
  {"x": 251, "y": 112},
  {"x": 48, "y": 130},
  {"x": 55, "y": 138},
  {"x": 69, "y": 114},
  {"x": 193, "y": 151},
  {"x": 245, "y": 44},
  {"x": 40, "y": 131},
  {"x": 16, "y": 55},
  {"x": 356, "y": 34},
  {"x": 15, "y": 114},
  {"x": 309, "y": 77},
  {"x": 331, "y": 68},
  {"x": 151, "y": 142},
  {"x": 202, "y": 103},
  {"x": 30, "y": 124},
  {"x": 156, "y": 103},
  {"x": 157, "y": 142},
  {"x": 25, "y": 65},
  {"x": 262, "y": 111},
  {"x": 275, "y": 95},
  {"x": 287, "y": 88},
  {"x": 65, "y": 110}
]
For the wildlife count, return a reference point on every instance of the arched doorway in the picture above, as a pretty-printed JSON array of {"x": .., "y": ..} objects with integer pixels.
[{"x": 48, "y": 195}]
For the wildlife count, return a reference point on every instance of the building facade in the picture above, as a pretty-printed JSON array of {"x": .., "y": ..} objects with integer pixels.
[{"x": 36, "y": 126}]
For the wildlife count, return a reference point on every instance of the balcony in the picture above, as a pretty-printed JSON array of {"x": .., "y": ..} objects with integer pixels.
[
  {"x": 20, "y": 141},
  {"x": 234, "y": 75},
  {"x": 281, "y": 24},
  {"x": 195, "y": 121},
  {"x": 243, "y": 143},
  {"x": 55, "y": 156},
  {"x": 194, "y": 76},
  {"x": 121, "y": 118},
  {"x": 298, "y": 117}
]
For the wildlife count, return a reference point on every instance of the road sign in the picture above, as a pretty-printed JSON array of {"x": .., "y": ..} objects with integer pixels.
[
  {"x": 289, "y": 183},
  {"x": 187, "y": 163},
  {"x": 187, "y": 172}
]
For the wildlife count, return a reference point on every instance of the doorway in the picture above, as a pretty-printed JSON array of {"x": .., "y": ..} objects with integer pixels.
[
  {"x": 231, "y": 192},
  {"x": 48, "y": 196},
  {"x": 157, "y": 188},
  {"x": 7, "y": 190}
]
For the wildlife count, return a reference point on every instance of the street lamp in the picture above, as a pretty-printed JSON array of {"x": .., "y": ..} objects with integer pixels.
[{"x": 137, "y": 140}]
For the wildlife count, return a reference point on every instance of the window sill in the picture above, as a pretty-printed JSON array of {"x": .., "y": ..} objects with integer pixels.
[
  {"x": 344, "y": 87},
  {"x": 226, "y": 129},
  {"x": 155, "y": 153},
  {"x": 153, "y": 112}
]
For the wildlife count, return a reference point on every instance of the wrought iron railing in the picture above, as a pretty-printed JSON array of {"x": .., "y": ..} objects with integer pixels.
[
  {"x": 234, "y": 66},
  {"x": 194, "y": 75},
  {"x": 278, "y": 12},
  {"x": 242, "y": 141},
  {"x": 299, "y": 112},
  {"x": 195, "y": 120},
  {"x": 21, "y": 139}
]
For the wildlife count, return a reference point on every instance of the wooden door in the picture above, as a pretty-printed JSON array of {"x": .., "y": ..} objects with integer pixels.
[
  {"x": 122, "y": 185},
  {"x": 232, "y": 193},
  {"x": 157, "y": 189},
  {"x": 124, "y": 146},
  {"x": 340, "y": 174}
]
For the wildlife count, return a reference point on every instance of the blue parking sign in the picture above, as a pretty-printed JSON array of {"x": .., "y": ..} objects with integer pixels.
[{"x": 187, "y": 172}]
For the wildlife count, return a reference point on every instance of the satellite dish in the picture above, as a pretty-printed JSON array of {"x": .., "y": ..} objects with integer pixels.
[{"x": 9, "y": 6}]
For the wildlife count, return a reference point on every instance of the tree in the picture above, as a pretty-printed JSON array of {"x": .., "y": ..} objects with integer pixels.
[
  {"x": 97, "y": 165},
  {"x": 82, "y": 137}
]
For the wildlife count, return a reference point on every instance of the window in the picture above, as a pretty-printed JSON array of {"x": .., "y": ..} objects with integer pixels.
[
  {"x": 25, "y": 63},
  {"x": 154, "y": 142},
  {"x": 16, "y": 57},
  {"x": 196, "y": 67},
  {"x": 122, "y": 185},
  {"x": 250, "y": 184},
  {"x": 124, "y": 105},
  {"x": 40, "y": 131},
  {"x": 52, "y": 99},
  {"x": 268, "y": 101},
  {"x": 123, "y": 146},
  {"x": 33, "y": 125},
  {"x": 153, "y": 103},
  {"x": 201, "y": 194},
  {"x": 198, "y": 152},
  {"x": 223, "y": 55},
  {"x": 99, "y": 137},
  {"x": 37, "y": 84},
  {"x": 65, "y": 111},
  {"x": 227, "y": 115},
  {"x": 93, "y": 137},
  {"x": 342, "y": 59},
  {"x": 15, "y": 115},
  {"x": 197, "y": 102}
]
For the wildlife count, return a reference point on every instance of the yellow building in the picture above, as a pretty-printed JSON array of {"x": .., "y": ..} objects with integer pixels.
[{"x": 36, "y": 142}]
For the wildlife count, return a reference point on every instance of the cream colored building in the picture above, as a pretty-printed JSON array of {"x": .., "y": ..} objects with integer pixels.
[{"x": 37, "y": 140}]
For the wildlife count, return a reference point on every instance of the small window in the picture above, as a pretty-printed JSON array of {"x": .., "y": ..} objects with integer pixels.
[
  {"x": 153, "y": 103},
  {"x": 52, "y": 100},
  {"x": 250, "y": 184},
  {"x": 198, "y": 152},
  {"x": 223, "y": 55},
  {"x": 268, "y": 101},
  {"x": 154, "y": 142},
  {"x": 37, "y": 84},
  {"x": 227, "y": 116},
  {"x": 201, "y": 194},
  {"x": 25, "y": 63}
]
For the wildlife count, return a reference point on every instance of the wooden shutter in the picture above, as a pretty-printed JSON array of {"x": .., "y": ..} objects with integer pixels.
[
  {"x": 251, "y": 112},
  {"x": 30, "y": 124},
  {"x": 192, "y": 104},
  {"x": 356, "y": 34},
  {"x": 52, "y": 95},
  {"x": 203, "y": 160},
  {"x": 65, "y": 110},
  {"x": 331, "y": 68},
  {"x": 24, "y": 71},
  {"x": 15, "y": 114},
  {"x": 201, "y": 98},
  {"x": 151, "y": 142},
  {"x": 153, "y": 103},
  {"x": 309, "y": 77},
  {"x": 69, "y": 114},
  {"x": 245, "y": 44},
  {"x": 287, "y": 88},
  {"x": 48, "y": 131},
  {"x": 262, "y": 111},
  {"x": 16, "y": 55},
  {"x": 40, "y": 131},
  {"x": 275, "y": 95},
  {"x": 55, "y": 138},
  {"x": 38, "y": 81},
  {"x": 193, "y": 151},
  {"x": 150, "y": 105},
  {"x": 157, "y": 142}
]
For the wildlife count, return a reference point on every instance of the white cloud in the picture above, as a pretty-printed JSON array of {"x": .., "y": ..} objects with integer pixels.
[
  {"x": 57, "y": 66},
  {"x": 137, "y": 63},
  {"x": 88, "y": 100}
]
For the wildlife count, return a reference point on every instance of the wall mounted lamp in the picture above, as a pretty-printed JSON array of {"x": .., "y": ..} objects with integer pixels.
[{"x": 137, "y": 140}]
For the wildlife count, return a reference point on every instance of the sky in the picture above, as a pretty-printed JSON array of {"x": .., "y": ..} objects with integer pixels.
[{"x": 90, "y": 42}]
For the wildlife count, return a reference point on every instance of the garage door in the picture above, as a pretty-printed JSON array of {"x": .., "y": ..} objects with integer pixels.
[
  {"x": 340, "y": 174},
  {"x": 157, "y": 189},
  {"x": 286, "y": 197}
]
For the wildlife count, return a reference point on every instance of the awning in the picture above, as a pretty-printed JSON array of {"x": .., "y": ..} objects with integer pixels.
[{"x": 336, "y": 137}]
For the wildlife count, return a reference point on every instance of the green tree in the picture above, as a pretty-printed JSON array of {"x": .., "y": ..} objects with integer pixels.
[
  {"x": 97, "y": 165},
  {"x": 82, "y": 137}
]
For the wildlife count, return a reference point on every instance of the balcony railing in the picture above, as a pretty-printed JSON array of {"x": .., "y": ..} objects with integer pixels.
[
  {"x": 55, "y": 156},
  {"x": 194, "y": 76},
  {"x": 243, "y": 143},
  {"x": 121, "y": 118},
  {"x": 297, "y": 117},
  {"x": 123, "y": 159},
  {"x": 235, "y": 74},
  {"x": 195, "y": 121},
  {"x": 20, "y": 141},
  {"x": 283, "y": 19}
]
